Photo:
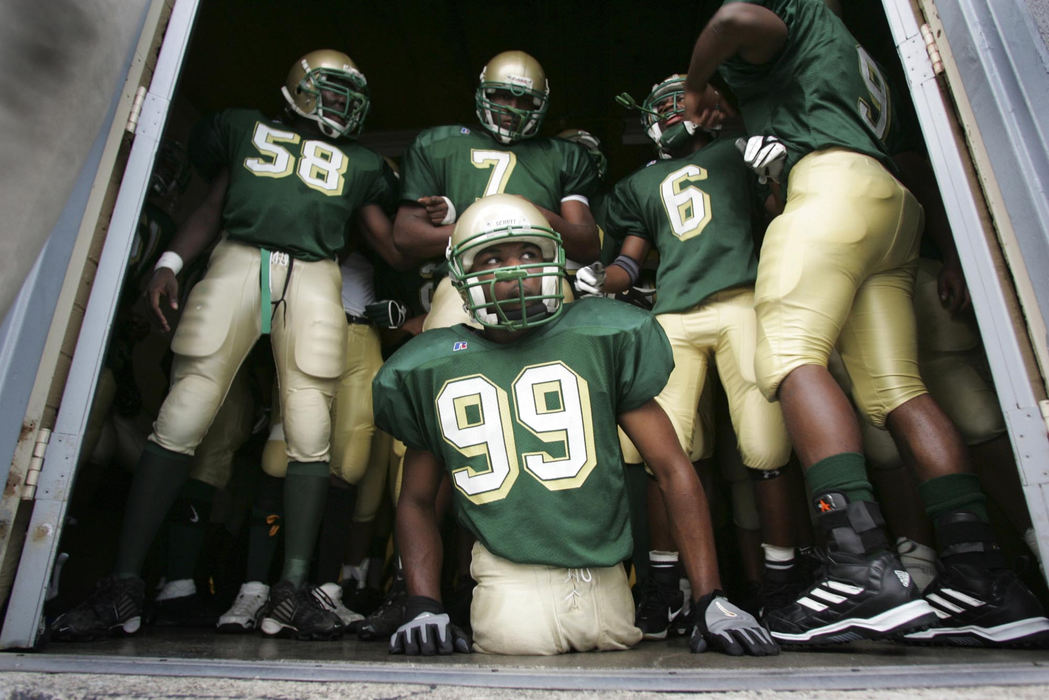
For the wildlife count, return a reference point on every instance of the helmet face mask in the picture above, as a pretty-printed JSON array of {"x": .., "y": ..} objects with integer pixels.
[
  {"x": 327, "y": 88},
  {"x": 665, "y": 101},
  {"x": 509, "y": 77},
  {"x": 500, "y": 219}
]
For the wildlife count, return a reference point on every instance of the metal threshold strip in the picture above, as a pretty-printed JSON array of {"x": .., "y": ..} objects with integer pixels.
[{"x": 802, "y": 672}]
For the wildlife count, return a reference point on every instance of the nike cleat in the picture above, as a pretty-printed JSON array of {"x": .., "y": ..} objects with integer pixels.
[
  {"x": 660, "y": 611},
  {"x": 114, "y": 608}
]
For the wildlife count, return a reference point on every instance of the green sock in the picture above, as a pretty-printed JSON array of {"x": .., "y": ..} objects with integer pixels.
[
  {"x": 264, "y": 528},
  {"x": 953, "y": 492},
  {"x": 305, "y": 493},
  {"x": 158, "y": 476},
  {"x": 187, "y": 528},
  {"x": 845, "y": 472}
]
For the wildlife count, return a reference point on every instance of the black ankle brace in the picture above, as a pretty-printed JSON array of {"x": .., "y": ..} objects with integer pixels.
[{"x": 855, "y": 527}]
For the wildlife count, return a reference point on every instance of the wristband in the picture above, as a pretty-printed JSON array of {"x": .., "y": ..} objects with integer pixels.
[
  {"x": 449, "y": 217},
  {"x": 170, "y": 260},
  {"x": 633, "y": 270}
]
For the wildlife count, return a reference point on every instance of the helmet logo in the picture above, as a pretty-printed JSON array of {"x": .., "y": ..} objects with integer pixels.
[{"x": 522, "y": 80}]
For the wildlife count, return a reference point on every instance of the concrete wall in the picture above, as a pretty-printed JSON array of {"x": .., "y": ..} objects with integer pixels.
[
  {"x": 61, "y": 62},
  {"x": 1040, "y": 12}
]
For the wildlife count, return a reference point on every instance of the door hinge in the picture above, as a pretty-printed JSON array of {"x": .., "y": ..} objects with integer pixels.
[
  {"x": 36, "y": 463},
  {"x": 136, "y": 110},
  {"x": 932, "y": 49}
]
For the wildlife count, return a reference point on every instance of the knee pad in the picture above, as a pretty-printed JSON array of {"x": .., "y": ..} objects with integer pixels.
[{"x": 275, "y": 453}]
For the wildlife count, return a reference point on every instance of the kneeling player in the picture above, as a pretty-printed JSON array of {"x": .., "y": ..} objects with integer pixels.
[{"x": 522, "y": 416}]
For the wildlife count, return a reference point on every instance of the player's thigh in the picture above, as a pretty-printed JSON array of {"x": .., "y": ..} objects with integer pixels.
[
  {"x": 309, "y": 351},
  {"x": 692, "y": 335},
  {"x": 219, "y": 324},
  {"x": 879, "y": 346},
  {"x": 353, "y": 423},
  {"x": 543, "y": 610},
  {"x": 761, "y": 433},
  {"x": 845, "y": 218}
]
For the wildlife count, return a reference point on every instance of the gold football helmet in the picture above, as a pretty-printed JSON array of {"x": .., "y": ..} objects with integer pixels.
[
  {"x": 515, "y": 75},
  {"x": 326, "y": 87},
  {"x": 592, "y": 145},
  {"x": 495, "y": 219}
]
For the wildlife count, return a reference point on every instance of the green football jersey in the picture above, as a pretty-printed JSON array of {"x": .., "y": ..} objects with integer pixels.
[
  {"x": 290, "y": 191},
  {"x": 527, "y": 431},
  {"x": 822, "y": 91},
  {"x": 465, "y": 164},
  {"x": 699, "y": 212}
]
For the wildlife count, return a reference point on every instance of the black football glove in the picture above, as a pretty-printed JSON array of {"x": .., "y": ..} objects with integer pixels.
[
  {"x": 721, "y": 625},
  {"x": 387, "y": 313},
  {"x": 428, "y": 631}
]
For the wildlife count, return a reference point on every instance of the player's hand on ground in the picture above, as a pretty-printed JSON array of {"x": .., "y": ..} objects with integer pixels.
[
  {"x": 590, "y": 279},
  {"x": 439, "y": 209},
  {"x": 388, "y": 313},
  {"x": 162, "y": 284},
  {"x": 718, "y": 624},
  {"x": 765, "y": 155},
  {"x": 428, "y": 630}
]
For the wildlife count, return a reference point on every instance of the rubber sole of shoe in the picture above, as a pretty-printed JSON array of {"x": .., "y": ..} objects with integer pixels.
[
  {"x": 909, "y": 617},
  {"x": 126, "y": 629},
  {"x": 271, "y": 628},
  {"x": 1032, "y": 632},
  {"x": 234, "y": 628}
]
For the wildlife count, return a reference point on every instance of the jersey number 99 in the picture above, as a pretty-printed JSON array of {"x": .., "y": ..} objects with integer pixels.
[{"x": 550, "y": 402}]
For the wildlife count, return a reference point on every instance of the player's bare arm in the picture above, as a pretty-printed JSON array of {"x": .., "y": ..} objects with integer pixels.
[
  {"x": 415, "y": 234},
  {"x": 617, "y": 278},
  {"x": 193, "y": 236},
  {"x": 427, "y": 629},
  {"x": 577, "y": 227},
  {"x": 418, "y": 535},
  {"x": 377, "y": 229},
  {"x": 716, "y": 621},
  {"x": 754, "y": 33},
  {"x": 652, "y": 433}
]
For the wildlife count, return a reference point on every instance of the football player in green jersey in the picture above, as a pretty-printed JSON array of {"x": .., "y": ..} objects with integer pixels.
[
  {"x": 270, "y": 273},
  {"x": 698, "y": 206},
  {"x": 520, "y": 416},
  {"x": 837, "y": 268},
  {"x": 448, "y": 167}
]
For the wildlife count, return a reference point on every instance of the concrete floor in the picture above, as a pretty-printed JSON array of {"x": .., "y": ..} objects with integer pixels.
[{"x": 200, "y": 664}]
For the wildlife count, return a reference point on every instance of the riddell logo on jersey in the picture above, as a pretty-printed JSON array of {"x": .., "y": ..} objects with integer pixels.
[{"x": 459, "y": 345}]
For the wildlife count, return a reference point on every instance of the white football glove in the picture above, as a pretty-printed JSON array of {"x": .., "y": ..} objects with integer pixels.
[
  {"x": 590, "y": 279},
  {"x": 764, "y": 155}
]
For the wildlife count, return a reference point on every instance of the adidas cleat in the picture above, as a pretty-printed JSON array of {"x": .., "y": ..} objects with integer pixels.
[
  {"x": 302, "y": 613},
  {"x": 982, "y": 607},
  {"x": 854, "y": 597}
]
